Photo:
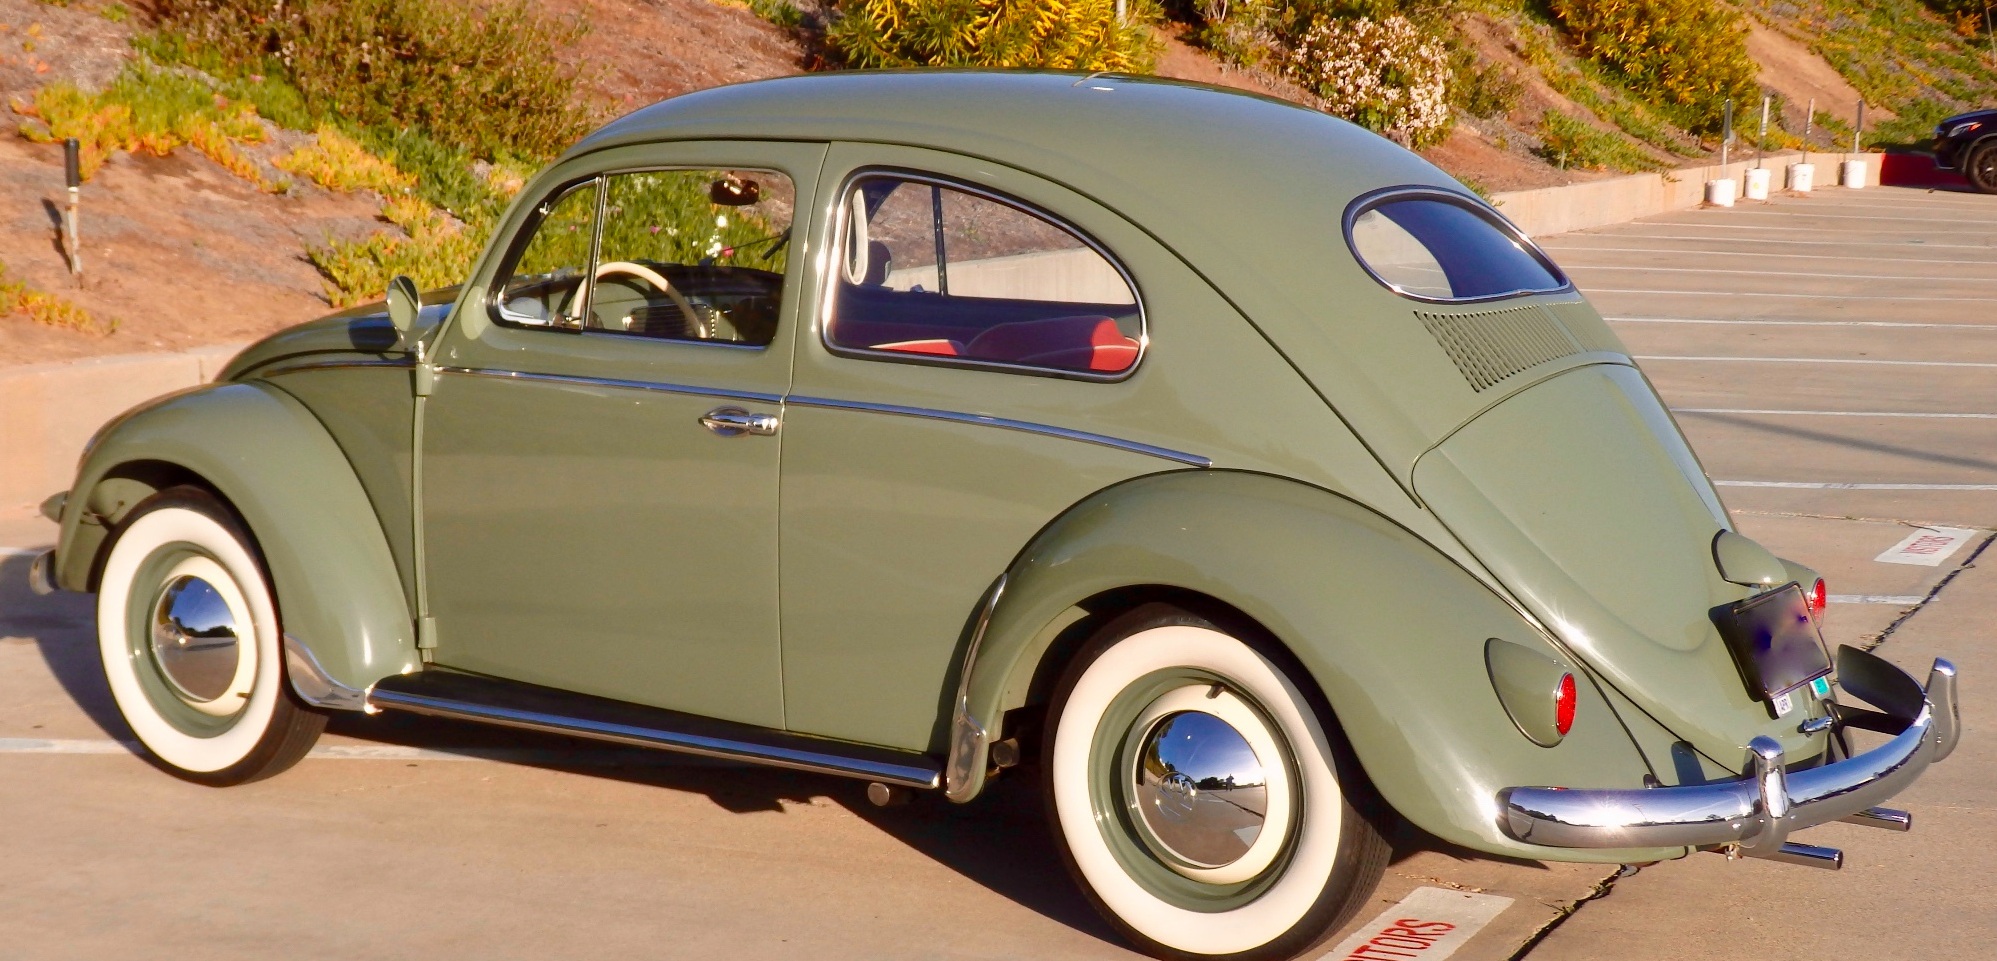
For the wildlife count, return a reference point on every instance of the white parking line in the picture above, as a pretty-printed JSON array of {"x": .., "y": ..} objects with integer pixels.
[
  {"x": 1897, "y": 600},
  {"x": 371, "y": 752},
  {"x": 1850, "y": 486},
  {"x": 1833, "y": 413},
  {"x": 1895, "y": 244},
  {"x": 1821, "y": 296},
  {"x": 1924, "y": 231},
  {"x": 1829, "y": 215},
  {"x": 1821, "y": 360},
  {"x": 1744, "y": 322},
  {"x": 1760, "y": 253},
  {"x": 1771, "y": 273},
  {"x": 21, "y": 551}
]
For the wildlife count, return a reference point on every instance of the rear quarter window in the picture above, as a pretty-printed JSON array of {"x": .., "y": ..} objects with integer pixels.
[{"x": 1434, "y": 246}]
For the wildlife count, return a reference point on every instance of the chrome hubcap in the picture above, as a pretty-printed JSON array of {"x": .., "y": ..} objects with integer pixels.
[
  {"x": 195, "y": 639},
  {"x": 1200, "y": 790}
]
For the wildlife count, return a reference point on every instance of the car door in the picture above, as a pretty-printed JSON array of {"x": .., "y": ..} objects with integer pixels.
[
  {"x": 974, "y": 338},
  {"x": 600, "y": 449}
]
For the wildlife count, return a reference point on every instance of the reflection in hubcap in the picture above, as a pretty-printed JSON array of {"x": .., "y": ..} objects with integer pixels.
[
  {"x": 1200, "y": 789},
  {"x": 194, "y": 639}
]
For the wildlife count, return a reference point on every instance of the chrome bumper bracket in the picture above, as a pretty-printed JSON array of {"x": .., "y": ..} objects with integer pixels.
[{"x": 1754, "y": 815}]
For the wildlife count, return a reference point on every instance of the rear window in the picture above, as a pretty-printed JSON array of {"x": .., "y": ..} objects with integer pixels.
[{"x": 1436, "y": 248}]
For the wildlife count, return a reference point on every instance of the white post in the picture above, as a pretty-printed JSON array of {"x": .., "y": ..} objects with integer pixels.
[{"x": 72, "y": 170}]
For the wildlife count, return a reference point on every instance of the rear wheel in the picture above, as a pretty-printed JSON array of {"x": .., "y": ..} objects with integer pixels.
[
  {"x": 188, "y": 631},
  {"x": 1201, "y": 798},
  {"x": 1982, "y": 168}
]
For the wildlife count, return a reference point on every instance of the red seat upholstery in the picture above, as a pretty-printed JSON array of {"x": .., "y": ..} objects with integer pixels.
[{"x": 1092, "y": 343}]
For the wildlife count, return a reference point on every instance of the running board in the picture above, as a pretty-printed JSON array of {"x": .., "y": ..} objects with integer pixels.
[{"x": 471, "y": 697}]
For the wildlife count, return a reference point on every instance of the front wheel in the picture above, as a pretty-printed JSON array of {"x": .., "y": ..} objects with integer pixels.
[
  {"x": 189, "y": 636},
  {"x": 1982, "y": 168},
  {"x": 1200, "y": 797}
]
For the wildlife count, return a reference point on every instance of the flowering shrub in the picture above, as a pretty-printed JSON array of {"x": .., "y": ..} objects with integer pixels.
[
  {"x": 1061, "y": 34},
  {"x": 1687, "y": 56},
  {"x": 1388, "y": 75}
]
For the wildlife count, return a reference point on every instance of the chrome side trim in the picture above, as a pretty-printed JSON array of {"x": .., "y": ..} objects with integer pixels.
[
  {"x": 439, "y": 694},
  {"x": 665, "y": 388},
  {"x": 985, "y": 420},
  {"x": 1752, "y": 815},
  {"x": 273, "y": 371},
  {"x": 970, "y": 742},
  {"x": 313, "y": 685}
]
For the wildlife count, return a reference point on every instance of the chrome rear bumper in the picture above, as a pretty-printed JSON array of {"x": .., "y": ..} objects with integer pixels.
[{"x": 1754, "y": 815}]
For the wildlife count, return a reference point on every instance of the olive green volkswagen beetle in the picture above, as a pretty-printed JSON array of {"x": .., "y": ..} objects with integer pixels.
[{"x": 1229, "y": 467}]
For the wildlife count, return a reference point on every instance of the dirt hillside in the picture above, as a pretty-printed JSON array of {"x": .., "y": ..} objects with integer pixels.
[{"x": 178, "y": 252}]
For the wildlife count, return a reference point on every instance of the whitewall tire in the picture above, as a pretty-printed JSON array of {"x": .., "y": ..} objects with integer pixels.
[
  {"x": 188, "y": 631},
  {"x": 1200, "y": 799}
]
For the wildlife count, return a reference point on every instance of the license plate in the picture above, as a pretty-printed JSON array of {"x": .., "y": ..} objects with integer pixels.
[{"x": 1774, "y": 641}]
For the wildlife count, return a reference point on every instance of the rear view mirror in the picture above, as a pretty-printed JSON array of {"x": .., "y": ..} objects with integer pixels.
[
  {"x": 730, "y": 192},
  {"x": 404, "y": 305}
]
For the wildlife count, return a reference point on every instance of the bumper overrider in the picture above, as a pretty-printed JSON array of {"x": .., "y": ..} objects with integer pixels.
[{"x": 1752, "y": 816}]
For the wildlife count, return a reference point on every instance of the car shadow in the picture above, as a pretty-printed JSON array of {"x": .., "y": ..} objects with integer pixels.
[
  {"x": 60, "y": 627},
  {"x": 1001, "y": 842}
]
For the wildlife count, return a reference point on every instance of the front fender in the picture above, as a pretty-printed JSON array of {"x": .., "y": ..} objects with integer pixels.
[
  {"x": 264, "y": 452},
  {"x": 1392, "y": 631}
]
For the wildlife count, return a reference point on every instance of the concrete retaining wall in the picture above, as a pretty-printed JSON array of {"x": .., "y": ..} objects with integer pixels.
[
  {"x": 1557, "y": 210},
  {"x": 48, "y": 411}
]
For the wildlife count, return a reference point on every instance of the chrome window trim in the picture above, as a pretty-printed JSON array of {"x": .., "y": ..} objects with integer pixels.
[
  {"x": 1377, "y": 198},
  {"x": 517, "y": 247},
  {"x": 831, "y": 270},
  {"x": 986, "y": 420},
  {"x": 658, "y": 386}
]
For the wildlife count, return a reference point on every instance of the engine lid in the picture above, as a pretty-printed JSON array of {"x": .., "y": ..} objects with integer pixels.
[{"x": 1581, "y": 496}]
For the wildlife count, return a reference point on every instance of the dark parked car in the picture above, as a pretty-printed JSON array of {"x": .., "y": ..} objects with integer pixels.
[{"x": 1968, "y": 142}]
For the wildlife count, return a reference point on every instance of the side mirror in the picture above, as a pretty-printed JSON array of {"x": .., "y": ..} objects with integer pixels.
[
  {"x": 734, "y": 192},
  {"x": 405, "y": 304}
]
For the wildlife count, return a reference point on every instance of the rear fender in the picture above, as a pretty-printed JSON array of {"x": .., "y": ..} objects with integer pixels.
[
  {"x": 342, "y": 606},
  {"x": 1391, "y": 631}
]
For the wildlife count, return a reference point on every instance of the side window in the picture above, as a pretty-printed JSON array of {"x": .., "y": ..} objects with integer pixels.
[
  {"x": 1440, "y": 249},
  {"x": 693, "y": 255},
  {"x": 544, "y": 286},
  {"x": 927, "y": 269}
]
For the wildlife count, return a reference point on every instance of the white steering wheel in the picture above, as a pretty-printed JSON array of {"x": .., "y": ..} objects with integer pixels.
[{"x": 662, "y": 285}]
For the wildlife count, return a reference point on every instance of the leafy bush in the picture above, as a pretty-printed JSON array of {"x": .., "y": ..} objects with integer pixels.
[
  {"x": 1491, "y": 91},
  {"x": 337, "y": 162},
  {"x": 781, "y": 13},
  {"x": 1059, "y": 34},
  {"x": 1568, "y": 142},
  {"x": 477, "y": 75},
  {"x": 1688, "y": 56},
  {"x": 145, "y": 110},
  {"x": 46, "y": 308},
  {"x": 1390, "y": 76}
]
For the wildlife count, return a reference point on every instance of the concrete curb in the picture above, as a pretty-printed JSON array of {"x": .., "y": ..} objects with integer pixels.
[
  {"x": 1557, "y": 210},
  {"x": 48, "y": 411}
]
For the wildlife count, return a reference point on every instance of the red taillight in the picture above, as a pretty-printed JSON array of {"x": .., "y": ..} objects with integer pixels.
[
  {"x": 1563, "y": 705},
  {"x": 1819, "y": 599}
]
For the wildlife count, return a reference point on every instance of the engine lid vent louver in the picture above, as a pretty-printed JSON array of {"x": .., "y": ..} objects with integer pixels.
[{"x": 1488, "y": 346}]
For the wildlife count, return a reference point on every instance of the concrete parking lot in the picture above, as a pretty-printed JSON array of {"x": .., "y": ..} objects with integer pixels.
[{"x": 1832, "y": 357}]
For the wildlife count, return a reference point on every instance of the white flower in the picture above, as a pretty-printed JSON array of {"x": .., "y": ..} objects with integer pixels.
[{"x": 1386, "y": 74}]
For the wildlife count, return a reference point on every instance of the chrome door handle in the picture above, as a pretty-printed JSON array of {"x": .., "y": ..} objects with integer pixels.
[{"x": 734, "y": 422}]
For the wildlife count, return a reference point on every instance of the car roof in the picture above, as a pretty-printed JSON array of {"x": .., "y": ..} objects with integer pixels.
[{"x": 1146, "y": 139}]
